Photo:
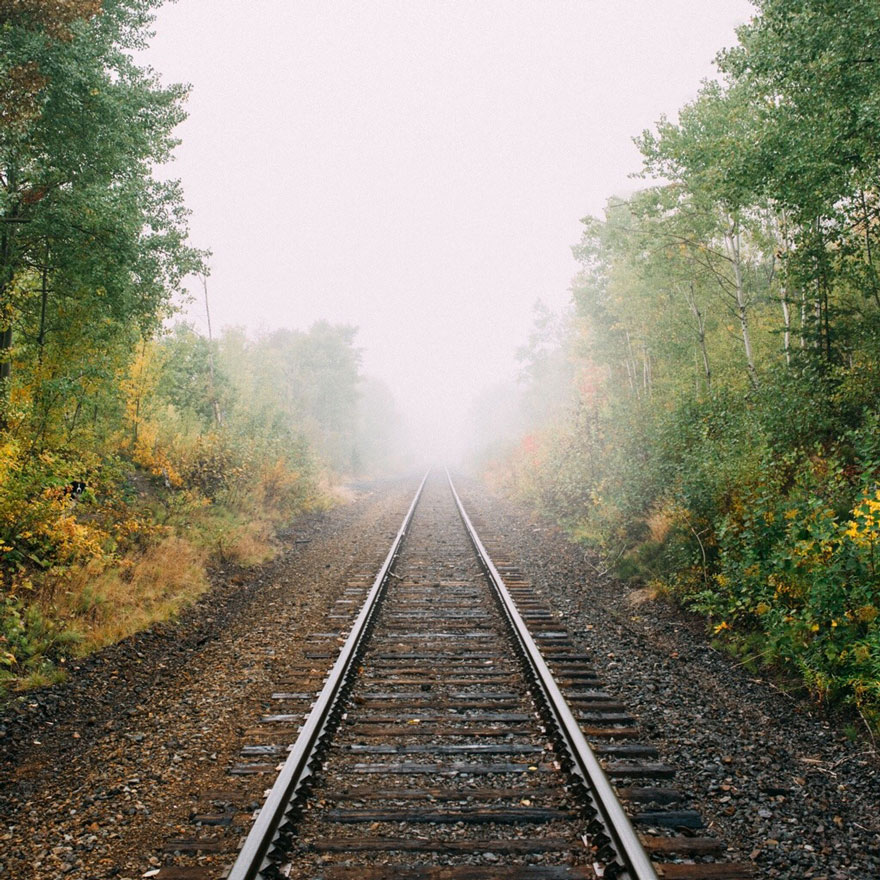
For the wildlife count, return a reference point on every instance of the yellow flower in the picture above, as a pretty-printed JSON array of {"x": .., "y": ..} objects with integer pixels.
[{"x": 721, "y": 627}]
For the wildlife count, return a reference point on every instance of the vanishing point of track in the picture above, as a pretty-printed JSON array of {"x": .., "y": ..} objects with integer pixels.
[{"x": 450, "y": 740}]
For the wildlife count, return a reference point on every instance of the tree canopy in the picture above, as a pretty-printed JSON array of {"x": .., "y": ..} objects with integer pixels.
[{"x": 83, "y": 219}]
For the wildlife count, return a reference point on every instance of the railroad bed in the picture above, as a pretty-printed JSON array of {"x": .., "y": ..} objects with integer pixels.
[{"x": 440, "y": 758}]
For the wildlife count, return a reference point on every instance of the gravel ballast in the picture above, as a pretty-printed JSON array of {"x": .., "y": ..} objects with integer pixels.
[
  {"x": 99, "y": 771},
  {"x": 781, "y": 784}
]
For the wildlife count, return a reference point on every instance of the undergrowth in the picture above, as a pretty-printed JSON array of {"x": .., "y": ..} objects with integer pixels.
[
  {"x": 778, "y": 548},
  {"x": 82, "y": 572}
]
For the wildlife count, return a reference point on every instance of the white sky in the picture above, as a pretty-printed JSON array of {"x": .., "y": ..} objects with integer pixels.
[{"x": 417, "y": 168}]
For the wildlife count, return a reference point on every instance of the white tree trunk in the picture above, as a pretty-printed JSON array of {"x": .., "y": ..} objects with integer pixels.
[{"x": 734, "y": 246}]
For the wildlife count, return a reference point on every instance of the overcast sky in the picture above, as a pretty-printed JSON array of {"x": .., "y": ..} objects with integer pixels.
[{"x": 417, "y": 168}]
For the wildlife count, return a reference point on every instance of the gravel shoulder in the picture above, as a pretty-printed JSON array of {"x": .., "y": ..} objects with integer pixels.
[
  {"x": 97, "y": 771},
  {"x": 781, "y": 784}
]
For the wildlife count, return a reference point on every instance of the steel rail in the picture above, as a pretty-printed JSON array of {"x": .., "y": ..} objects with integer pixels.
[
  {"x": 252, "y": 858},
  {"x": 629, "y": 857}
]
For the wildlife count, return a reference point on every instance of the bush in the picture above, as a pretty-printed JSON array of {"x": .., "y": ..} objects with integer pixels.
[{"x": 770, "y": 529}]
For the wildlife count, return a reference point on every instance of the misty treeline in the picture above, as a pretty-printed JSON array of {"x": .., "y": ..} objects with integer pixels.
[
  {"x": 716, "y": 429},
  {"x": 130, "y": 454},
  {"x": 290, "y": 395}
]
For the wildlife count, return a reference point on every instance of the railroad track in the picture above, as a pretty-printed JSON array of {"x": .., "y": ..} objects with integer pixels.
[{"x": 450, "y": 740}]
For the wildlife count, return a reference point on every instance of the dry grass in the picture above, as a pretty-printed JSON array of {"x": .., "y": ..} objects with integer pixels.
[
  {"x": 249, "y": 544},
  {"x": 108, "y": 606},
  {"x": 75, "y": 610},
  {"x": 659, "y": 523},
  {"x": 642, "y": 596},
  {"x": 340, "y": 494},
  {"x": 98, "y": 606},
  {"x": 40, "y": 678}
]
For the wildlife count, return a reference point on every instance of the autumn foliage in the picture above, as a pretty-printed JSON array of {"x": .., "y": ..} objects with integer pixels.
[{"x": 133, "y": 455}]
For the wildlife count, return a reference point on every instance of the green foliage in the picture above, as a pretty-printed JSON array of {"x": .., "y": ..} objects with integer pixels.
[
  {"x": 304, "y": 389},
  {"x": 191, "y": 381},
  {"x": 801, "y": 568},
  {"x": 31, "y": 645},
  {"x": 724, "y": 442},
  {"x": 92, "y": 246}
]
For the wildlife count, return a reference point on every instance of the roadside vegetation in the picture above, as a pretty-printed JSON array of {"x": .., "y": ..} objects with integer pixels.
[
  {"x": 719, "y": 437},
  {"x": 131, "y": 454}
]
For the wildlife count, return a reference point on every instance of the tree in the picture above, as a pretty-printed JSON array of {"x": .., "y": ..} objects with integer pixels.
[
  {"x": 81, "y": 126},
  {"x": 814, "y": 69},
  {"x": 817, "y": 67},
  {"x": 52, "y": 17},
  {"x": 298, "y": 385},
  {"x": 756, "y": 503},
  {"x": 706, "y": 154},
  {"x": 189, "y": 380}
]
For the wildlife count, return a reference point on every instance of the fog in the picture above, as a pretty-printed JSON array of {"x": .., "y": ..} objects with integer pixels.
[{"x": 417, "y": 169}]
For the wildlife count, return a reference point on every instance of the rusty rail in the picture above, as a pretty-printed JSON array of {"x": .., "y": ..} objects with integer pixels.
[{"x": 297, "y": 768}]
